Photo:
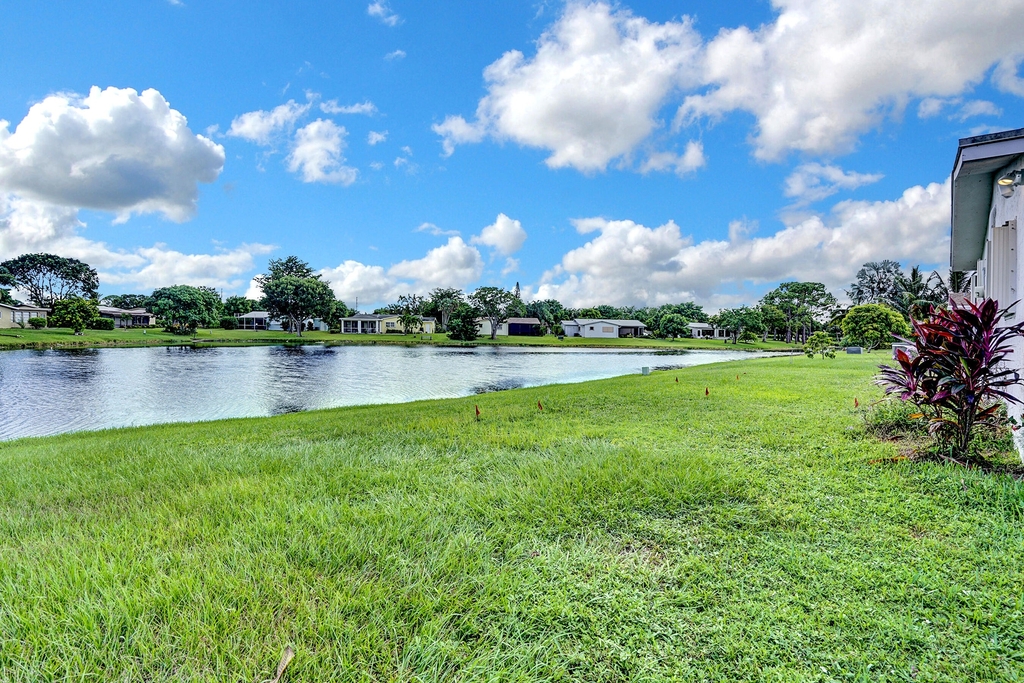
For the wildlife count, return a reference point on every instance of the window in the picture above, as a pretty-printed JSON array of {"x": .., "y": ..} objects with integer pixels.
[
  {"x": 606, "y": 329},
  {"x": 390, "y": 326},
  {"x": 591, "y": 327}
]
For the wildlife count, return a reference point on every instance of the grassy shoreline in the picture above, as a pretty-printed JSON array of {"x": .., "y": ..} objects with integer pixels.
[
  {"x": 11, "y": 339},
  {"x": 735, "y": 525}
]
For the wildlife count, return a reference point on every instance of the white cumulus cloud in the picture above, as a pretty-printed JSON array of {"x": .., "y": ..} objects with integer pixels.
[
  {"x": 454, "y": 264},
  {"x": 332, "y": 107},
  {"x": 260, "y": 126},
  {"x": 114, "y": 150},
  {"x": 629, "y": 263},
  {"x": 813, "y": 181},
  {"x": 376, "y": 137},
  {"x": 827, "y": 70},
  {"x": 682, "y": 164},
  {"x": 381, "y": 9},
  {"x": 592, "y": 92},
  {"x": 505, "y": 235},
  {"x": 394, "y": 56},
  {"x": 317, "y": 154}
]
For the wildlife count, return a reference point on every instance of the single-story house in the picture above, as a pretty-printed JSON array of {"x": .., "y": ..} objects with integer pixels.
[
  {"x": 483, "y": 328},
  {"x": 128, "y": 317},
  {"x": 382, "y": 323},
  {"x": 525, "y": 327},
  {"x": 987, "y": 204},
  {"x": 604, "y": 329},
  {"x": 11, "y": 315},
  {"x": 707, "y": 331},
  {"x": 261, "y": 320}
]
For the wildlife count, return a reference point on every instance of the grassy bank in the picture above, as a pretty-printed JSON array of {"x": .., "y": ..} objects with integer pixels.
[
  {"x": 635, "y": 530},
  {"x": 64, "y": 338}
]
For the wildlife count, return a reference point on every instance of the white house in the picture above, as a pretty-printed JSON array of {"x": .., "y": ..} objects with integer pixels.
[
  {"x": 128, "y": 317},
  {"x": 16, "y": 316},
  {"x": 707, "y": 331},
  {"x": 988, "y": 204},
  {"x": 596, "y": 328},
  {"x": 483, "y": 326},
  {"x": 261, "y": 320},
  {"x": 382, "y": 323}
]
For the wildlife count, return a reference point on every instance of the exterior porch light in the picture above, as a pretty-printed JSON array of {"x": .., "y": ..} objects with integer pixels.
[{"x": 1008, "y": 182}]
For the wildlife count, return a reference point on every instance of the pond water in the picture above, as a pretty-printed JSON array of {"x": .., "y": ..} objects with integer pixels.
[{"x": 54, "y": 391}]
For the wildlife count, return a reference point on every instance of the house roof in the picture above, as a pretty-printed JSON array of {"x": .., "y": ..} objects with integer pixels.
[
  {"x": 255, "y": 314},
  {"x": 618, "y": 323},
  {"x": 114, "y": 310},
  {"x": 701, "y": 326},
  {"x": 385, "y": 316},
  {"x": 524, "y": 321},
  {"x": 25, "y": 307},
  {"x": 978, "y": 159}
]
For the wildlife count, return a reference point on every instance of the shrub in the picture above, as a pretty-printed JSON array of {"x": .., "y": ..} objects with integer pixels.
[
  {"x": 872, "y": 325},
  {"x": 891, "y": 417},
  {"x": 100, "y": 324},
  {"x": 462, "y": 324},
  {"x": 229, "y": 322},
  {"x": 957, "y": 377},
  {"x": 37, "y": 323},
  {"x": 74, "y": 312},
  {"x": 820, "y": 342},
  {"x": 747, "y": 337}
]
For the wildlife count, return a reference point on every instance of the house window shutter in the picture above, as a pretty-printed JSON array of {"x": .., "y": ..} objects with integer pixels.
[{"x": 1002, "y": 264}]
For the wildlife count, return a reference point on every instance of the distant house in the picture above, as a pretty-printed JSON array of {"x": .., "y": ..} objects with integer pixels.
[
  {"x": 525, "y": 327},
  {"x": 11, "y": 315},
  {"x": 382, "y": 323},
  {"x": 597, "y": 328},
  {"x": 483, "y": 328},
  {"x": 707, "y": 331},
  {"x": 261, "y": 321},
  {"x": 128, "y": 317}
]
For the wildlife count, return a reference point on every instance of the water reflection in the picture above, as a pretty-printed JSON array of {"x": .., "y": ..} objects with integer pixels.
[{"x": 48, "y": 392}]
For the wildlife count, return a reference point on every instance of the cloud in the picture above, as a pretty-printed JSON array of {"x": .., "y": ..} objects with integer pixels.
[
  {"x": 332, "y": 107},
  {"x": 317, "y": 154},
  {"x": 1005, "y": 76},
  {"x": 813, "y": 182},
  {"x": 376, "y": 137},
  {"x": 682, "y": 164},
  {"x": 505, "y": 235},
  {"x": 592, "y": 91},
  {"x": 28, "y": 226},
  {"x": 382, "y": 10},
  {"x": 434, "y": 230},
  {"x": 978, "y": 108},
  {"x": 628, "y": 263},
  {"x": 454, "y": 264},
  {"x": 352, "y": 281},
  {"x": 113, "y": 150},
  {"x": 815, "y": 78},
  {"x": 511, "y": 266},
  {"x": 827, "y": 70},
  {"x": 932, "y": 106},
  {"x": 260, "y": 126},
  {"x": 394, "y": 56}
]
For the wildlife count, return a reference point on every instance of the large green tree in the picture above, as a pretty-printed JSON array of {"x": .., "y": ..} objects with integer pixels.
[
  {"x": 877, "y": 283},
  {"x": 674, "y": 325},
  {"x": 739, "y": 320},
  {"x": 445, "y": 300},
  {"x": 495, "y": 304},
  {"x": 184, "y": 308},
  {"x": 873, "y": 325},
  {"x": 293, "y": 292},
  {"x": 74, "y": 312},
  {"x": 462, "y": 323},
  {"x": 6, "y": 282},
  {"x": 48, "y": 278},
  {"x": 802, "y": 305},
  {"x": 235, "y": 306}
]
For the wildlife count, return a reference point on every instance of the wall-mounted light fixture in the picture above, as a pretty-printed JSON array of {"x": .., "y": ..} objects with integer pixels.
[{"x": 1009, "y": 181}]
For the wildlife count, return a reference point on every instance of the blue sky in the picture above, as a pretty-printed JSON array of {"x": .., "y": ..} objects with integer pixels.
[{"x": 633, "y": 153}]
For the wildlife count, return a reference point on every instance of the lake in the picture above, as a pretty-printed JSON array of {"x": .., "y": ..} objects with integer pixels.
[{"x": 55, "y": 391}]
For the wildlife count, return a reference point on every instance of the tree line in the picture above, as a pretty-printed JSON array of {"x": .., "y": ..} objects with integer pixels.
[{"x": 882, "y": 295}]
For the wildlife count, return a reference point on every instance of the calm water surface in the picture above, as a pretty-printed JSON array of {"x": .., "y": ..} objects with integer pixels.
[{"x": 49, "y": 392}]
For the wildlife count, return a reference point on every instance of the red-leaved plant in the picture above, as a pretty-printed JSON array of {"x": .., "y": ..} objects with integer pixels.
[{"x": 958, "y": 374}]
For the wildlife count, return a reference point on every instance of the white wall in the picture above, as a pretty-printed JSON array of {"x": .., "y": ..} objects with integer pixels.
[
  {"x": 485, "y": 329},
  {"x": 599, "y": 330},
  {"x": 1008, "y": 209}
]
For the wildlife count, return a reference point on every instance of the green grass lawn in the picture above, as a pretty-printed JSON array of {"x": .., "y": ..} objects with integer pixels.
[
  {"x": 636, "y": 530},
  {"x": 64, "y": 338}
]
